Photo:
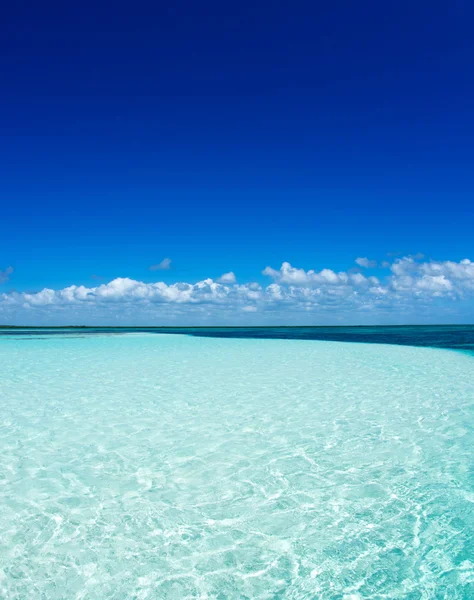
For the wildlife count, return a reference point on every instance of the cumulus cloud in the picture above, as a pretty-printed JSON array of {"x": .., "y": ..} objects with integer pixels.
[
  {"x": 164, "y": 265},
  {"x": 366, "y": 263},
  {"x": 290, "y": 275},
  {"x": 448, "y": 278},
  {"x": 412, "y": 290},
  {"x": 227, "y": 278},
  {"x": 5, "y": 275}
]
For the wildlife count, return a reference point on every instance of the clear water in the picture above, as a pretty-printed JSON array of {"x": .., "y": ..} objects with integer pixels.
[
  {"x": 459, "y": 337},
  {"x": 160, "y": 466}
]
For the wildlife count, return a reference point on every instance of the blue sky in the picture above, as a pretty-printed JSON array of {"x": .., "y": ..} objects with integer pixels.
[{"x": 231, "y": 139}]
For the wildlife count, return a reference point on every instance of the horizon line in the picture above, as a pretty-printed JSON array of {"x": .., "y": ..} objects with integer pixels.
[{"x": 229, "y": 326}]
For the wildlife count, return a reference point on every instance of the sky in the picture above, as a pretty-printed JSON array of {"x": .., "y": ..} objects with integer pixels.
[{"x": 249, "y": 163}]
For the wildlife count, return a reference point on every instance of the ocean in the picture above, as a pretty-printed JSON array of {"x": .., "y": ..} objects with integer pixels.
[{"x": 223, "y": 463}]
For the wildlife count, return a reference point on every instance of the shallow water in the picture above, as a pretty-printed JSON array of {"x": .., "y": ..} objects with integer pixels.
[
  {"x": 161, "y": 466},
  {"x": 459, "y": 337}
]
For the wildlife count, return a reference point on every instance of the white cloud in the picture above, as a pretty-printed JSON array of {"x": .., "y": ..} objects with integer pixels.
[
  {"x": 290, "y": 275},
  {"x": 162, "y": 266},
  {"x": 227, "y": 278},
  {"x": 5, "y": 275},
  {"x": 412, "y": 291},
  {"x": 366, "y": 263},
  {"x": 455, "y": 279}
]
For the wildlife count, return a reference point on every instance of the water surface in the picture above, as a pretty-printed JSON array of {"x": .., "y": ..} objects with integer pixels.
[
  {"x": 172, "y": 466},
  {"x": 459, "y": 337}
]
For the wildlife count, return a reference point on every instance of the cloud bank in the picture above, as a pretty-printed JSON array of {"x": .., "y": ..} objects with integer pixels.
[{"x": 412, "y": 291}]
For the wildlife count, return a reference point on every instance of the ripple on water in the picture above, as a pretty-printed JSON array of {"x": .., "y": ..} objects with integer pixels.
[{"x": 175, "y": 467}]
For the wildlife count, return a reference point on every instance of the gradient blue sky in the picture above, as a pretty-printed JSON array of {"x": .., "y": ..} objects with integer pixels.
[{"x": 232, "y": 138}]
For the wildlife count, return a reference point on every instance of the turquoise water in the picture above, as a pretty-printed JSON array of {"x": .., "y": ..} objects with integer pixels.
[
  {"x": 142, "y": 466},
  {"x": 458, "y": 337}
]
